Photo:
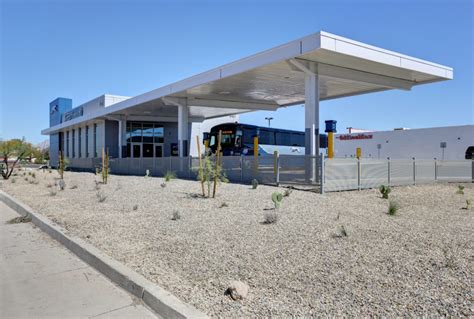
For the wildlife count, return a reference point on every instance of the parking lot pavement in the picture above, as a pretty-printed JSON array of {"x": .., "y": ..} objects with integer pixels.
[{"x": 39, "y": 278}]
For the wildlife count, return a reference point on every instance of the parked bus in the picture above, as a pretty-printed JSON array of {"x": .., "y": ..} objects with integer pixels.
[{"x": 237, "y": 139}]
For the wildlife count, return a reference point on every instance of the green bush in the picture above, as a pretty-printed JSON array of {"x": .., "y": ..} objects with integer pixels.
[
  {"x": 384, "y": 190},
  {"x": 392, "y": 208},
  {"x": 254, "y": 183},
  {"x": 169, "y": 176},
  {"x": 460, "y": 190}
]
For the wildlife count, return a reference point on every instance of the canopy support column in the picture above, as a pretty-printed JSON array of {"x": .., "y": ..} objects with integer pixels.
[
  {"x": 183, "y": 124},
  {"x": 311, "y": 120}
]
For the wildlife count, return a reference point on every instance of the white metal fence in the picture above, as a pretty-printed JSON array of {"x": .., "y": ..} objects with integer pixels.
[
  {"x": 336, "y": 174},
  {"x": 348, "y": 174}
]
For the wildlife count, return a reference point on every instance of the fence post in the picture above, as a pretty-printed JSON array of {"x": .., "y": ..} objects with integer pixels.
[
  {"x": 358, "y": 173},
  {"x": 241, "y": 169},
  {"x": 388, "y": 175},
  {"x": 190, "y": 166},
  {"x": 414, "y": 171},
  {"x": 436, "y": 170},
  {"x": 276, "y": 167},
  {"x": 472, "y": 170},
  {"x": 323, "y": 175}
]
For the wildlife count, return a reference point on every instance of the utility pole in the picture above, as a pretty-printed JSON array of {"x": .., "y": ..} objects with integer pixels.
[{"x": 269, "y": 119}]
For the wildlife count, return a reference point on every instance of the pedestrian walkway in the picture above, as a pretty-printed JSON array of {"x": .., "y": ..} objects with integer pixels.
[{"x": 39, "y": 278}]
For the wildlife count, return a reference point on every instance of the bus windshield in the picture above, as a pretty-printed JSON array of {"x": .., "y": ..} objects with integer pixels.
[{"x": 228, "y": 139}]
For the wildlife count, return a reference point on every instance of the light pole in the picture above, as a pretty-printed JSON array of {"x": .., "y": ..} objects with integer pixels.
[{"x": 269, "y": 119}]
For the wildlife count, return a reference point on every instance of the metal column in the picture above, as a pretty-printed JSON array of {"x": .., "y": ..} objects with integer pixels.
[
  {"x": 312, "y": 124},
  {"x": 183, "y": 115}
]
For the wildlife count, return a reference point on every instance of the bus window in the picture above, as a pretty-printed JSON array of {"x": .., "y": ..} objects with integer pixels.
[
  {"x": 283, "y": 138},
  {"x": 266, "y": 137},
  {"x": 212, "y": 140},
  {"x": 227, "y": 138},
  {"x": 297, "y": 139},
  {"x": 248, "y": 136}
]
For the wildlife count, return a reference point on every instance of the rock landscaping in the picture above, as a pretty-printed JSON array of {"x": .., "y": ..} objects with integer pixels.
[{"x": 337, "y": 254}]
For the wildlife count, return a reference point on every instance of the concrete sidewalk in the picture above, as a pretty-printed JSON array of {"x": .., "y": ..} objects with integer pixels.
[{"x": 39, "y": 278}]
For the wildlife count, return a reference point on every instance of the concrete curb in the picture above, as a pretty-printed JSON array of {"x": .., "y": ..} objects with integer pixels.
[{"x": 158, "y": 299}]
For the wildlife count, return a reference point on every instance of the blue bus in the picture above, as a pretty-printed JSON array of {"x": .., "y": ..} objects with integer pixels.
[{"x": 237, "y": 139}]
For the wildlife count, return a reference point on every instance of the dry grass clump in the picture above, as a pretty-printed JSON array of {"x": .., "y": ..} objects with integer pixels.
[
  {"x": 19, "y": 220},
  {"x": 270, "y": 218},
  {"x": 176, "y": 215}
]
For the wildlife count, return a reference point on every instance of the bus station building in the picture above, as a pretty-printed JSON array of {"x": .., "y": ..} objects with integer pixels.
[{"x": 165, "y": 121}]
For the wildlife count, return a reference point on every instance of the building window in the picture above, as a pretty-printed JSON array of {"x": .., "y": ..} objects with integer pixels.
[
  {"x": 73, "y": 143},
  {"x": 87, "y": 141},
  {"x": 95, "y": 140},
  {"x": 79, "y": 142},
  {"x": 67, "y": 144}
]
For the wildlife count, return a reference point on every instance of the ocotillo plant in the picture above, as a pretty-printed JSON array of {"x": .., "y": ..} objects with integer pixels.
[
  {"x": 62, "y": 165},
  {"x": 105, "y": 166}
]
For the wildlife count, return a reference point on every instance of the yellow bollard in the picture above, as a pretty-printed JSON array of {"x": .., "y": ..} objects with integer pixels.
[
  {"x": 358, "y": 152},
  {"x": 330, "y": 145},
  {"x": 255, "y": 155}
]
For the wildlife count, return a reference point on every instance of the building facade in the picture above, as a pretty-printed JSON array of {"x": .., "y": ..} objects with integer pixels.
[{"x": 123, "y": 136}]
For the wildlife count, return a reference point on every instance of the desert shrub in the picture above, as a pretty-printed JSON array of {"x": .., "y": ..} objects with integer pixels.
[
  {"x": 34, "y": 182},
  {"x": 468, "y": 204},
  {"x": 33, "y": 175},
  {"x": 270, "y": 218},
  {"x": 24, "y": 173},
  {"x": 73, "y": 186},
  {"x": 287, "y": 192},
  {"x": 49, "y": 170},
  {"x": 254, "y": 183},
  {"x": 392, "y": 208},
  {"x": 460, "y": 190},
  {"x": 49, "y": 185},
  {"x": 101, "y": 197},
  {"x": 169, "y": 175},
  {"x": 13, "y": 180},
  {"x": 52, "y": 192},
  {"x": 97, "y": 185},
  {"x": 176, "y": 215},
  {"x": 147, "y": 173},
  {"x": 135, "y": 207},
  {"x": 26, "y": 179},
  {"x": 62, "y": 184},
  {"x": 163, "y": 185},
  {"x": 276, "y": 199},
  {"x": 224, "y": 204},
  {"x": 29, "y": 173},
  {"x": 384, "y": 190}
]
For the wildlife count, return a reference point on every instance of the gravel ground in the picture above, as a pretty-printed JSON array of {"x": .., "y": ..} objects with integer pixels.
[{"x": 418, "y": 262}]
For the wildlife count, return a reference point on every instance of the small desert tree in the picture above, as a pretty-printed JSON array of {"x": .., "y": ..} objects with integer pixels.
[
  {"x": 211, "y": 172},
  {"x": 12, "y": 152}
]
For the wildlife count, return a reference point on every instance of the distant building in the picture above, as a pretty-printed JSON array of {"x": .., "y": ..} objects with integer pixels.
[{"x": 449, "y": 143}]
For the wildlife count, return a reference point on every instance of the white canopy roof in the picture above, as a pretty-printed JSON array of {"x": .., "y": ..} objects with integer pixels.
[{"x": 274, "y": 78}]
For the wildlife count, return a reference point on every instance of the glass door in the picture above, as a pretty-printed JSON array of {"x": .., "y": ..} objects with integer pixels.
[
  {"x": 136, "y": 150},
  {"x": 158, "y": 150}
]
